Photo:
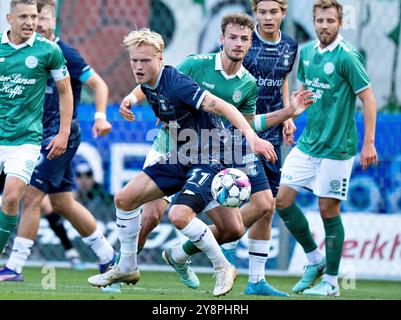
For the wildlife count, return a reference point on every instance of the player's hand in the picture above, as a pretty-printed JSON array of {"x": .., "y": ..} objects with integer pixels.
[
  {"x": 125, "y": 110},
  {"x": 264, "y": 148},
  {"x": 289, "y": 129},
  {"x": 57, "y": 146},
  {"x": 101, "y": 128},
  {"x": 300, "y": 101},
  {"x": 368, "y": 156}
]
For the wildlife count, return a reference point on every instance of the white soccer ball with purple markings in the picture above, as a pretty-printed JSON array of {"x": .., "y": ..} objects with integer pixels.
[{"x": 231, "y": 188}]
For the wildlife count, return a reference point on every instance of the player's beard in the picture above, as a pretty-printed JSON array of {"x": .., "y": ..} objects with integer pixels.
[
  {"x": 327, "y": 40},
  {"x": 45, "y": 32},
  {"x": 234, "y": 58}
]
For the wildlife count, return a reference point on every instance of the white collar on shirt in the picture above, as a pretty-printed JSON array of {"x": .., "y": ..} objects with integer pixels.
[
  {"x": 330, "y": 47},
  {"x": 219, "y": 67},
  {"x": 29, "y": 42}
]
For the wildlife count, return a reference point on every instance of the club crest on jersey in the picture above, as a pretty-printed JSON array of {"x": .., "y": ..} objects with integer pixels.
[
  {"x": 31, "y": 62},
  {"x": 237, "y": 96},
  {"x": 2, "y": 59},
  {"x": 286, "y": 61},
  {"x": 328, "y": 68}
]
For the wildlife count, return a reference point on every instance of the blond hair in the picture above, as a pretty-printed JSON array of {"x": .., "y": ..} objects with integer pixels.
[
  {"x": 144, "y": 37},
  {"x": 282, "y": 3},
  {"x": 326, "y": 4}
]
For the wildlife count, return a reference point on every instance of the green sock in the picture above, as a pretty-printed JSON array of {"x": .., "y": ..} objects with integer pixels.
[
  {"x": 190, "y": 248},
  {"x": 334, "y": 243},
  {"x": 7, "y": 227},
  {"x": 298, "y": 225}
]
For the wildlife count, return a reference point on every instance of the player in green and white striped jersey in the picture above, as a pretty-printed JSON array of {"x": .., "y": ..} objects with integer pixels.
[
  {"x": 26, "y": 62},
  {"x": 323, "y": 159}
]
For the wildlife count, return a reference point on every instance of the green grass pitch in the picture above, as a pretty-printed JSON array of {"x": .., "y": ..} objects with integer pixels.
[{"x": 72, "y": 285}]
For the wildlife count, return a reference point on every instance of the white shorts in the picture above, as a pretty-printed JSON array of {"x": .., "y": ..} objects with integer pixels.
[
  {"x": 19, "y": 161},
  {"x": 326, "y": 178},
  {"x": 152, "y": 158}
]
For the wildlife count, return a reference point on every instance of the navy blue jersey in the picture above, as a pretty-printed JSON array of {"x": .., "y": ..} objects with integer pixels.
[
  {"x": 80, "y": 72},
  {"x": 176, "y": 100},
  {"x": 270, "y": 64}
]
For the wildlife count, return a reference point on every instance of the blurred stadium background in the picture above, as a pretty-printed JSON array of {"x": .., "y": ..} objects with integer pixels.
[{"x": 372, "y": 216}]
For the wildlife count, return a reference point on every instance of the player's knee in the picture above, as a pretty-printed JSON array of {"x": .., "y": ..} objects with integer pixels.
[
  {"x": 10, "y": 201},
  {"x": 329, "y": 210},
  {"x": 180, "y": 216},
  {"x": 282, "y": 202},
  {"x": 123, "y": 202},
  {"x": 264, "y": 207},
  {"x": 233, "y": 235},
  {"x": 151, "y": 216}
]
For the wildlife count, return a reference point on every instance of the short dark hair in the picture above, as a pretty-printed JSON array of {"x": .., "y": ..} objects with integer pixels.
[
  {"x": 14, "y": 3},
  {"x": 241, "y": 19},
  {"x": 326, "y": 4},
  {"x": 44, "y": 3}
]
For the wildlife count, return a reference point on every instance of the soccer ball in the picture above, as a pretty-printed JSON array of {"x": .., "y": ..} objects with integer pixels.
[{"x": 231, "y": 187}]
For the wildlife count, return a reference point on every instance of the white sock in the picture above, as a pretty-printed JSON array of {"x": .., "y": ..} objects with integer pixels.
[
  {"x": 314, "y": 257},
  {"x": 230, "y": 245},
  {"x": 100, "y": 246},
  {"x": 128, "y": 225},
  {"x": 202, "y": 237},
  {"x": 333, "y": 280},
  {"x": 179, "y": 255},
  {"x": 258, "y": 253},
  {"x": 20, "y": 253}
]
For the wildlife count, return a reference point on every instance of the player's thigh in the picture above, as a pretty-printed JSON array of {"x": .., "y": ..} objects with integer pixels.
[
  {"x": 45, "y": 206},
  {"x": 138, "y": 191},
  {"x": 333, "y": 178},
  {"x": 227, "y": 220},
  {"x": 14, "y": 189}
]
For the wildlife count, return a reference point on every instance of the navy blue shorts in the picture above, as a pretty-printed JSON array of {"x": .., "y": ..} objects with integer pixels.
[
  {"x": 253, "y": 167},
  {"x": 273, "y": 171},
  {"x": 54, "y": 176},
  {"x": 192, "y": 181}
]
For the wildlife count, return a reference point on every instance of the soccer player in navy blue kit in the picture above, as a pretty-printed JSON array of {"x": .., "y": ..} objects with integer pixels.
[
  {"x": 56, "y": 177},
  {"x": 182, "y": 104},
  {"x": 269, "y": 60}
]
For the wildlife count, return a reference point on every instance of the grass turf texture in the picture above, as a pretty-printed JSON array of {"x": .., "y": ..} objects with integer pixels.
[{"x": 72, "y": 285}]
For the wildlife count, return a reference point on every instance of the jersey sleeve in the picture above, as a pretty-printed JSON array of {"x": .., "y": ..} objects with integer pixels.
[
  {"x": 186, "y": 66},
  {"x": 57, "y": 64},
  {"x": 188, "y": 92},
  {"x": 77, "y": 65},
  {"x": 352, "y": 68}
]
